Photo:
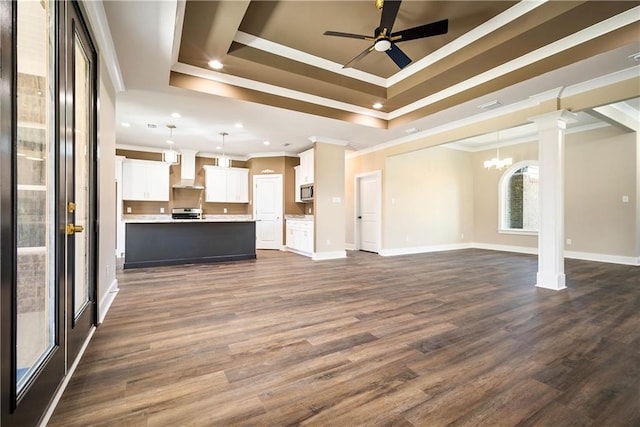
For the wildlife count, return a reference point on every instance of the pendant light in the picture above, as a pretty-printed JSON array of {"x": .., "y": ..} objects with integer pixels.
[
  {"x": 224, "y": 161},
  {"x": 170, "y": 156}
]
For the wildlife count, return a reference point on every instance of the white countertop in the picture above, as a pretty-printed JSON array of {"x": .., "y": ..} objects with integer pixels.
[
  {"x": 168, "y": 219},
  {"x": 298, "y": 217}
]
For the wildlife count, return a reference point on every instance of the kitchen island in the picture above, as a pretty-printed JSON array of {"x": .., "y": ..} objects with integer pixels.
[{"x": 160, "y": 242}]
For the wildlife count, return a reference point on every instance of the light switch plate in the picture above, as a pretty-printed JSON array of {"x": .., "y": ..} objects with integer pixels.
[
  {"x": 625, "y": 199},
  {"x": 128, "y": 209}
]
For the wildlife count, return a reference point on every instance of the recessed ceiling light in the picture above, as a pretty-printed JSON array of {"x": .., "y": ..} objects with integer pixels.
[
  {"x": 169, "y": 141},
  {"x": 635, "y": 57},
  {"x": 286, "y": 144},
  {"x": 239, "y": 125},
  {"x": 125, "y": 124},
  {"x": 215, "y": 64},
  {"x": 218, "y": 148},
  {"x": 151, "y": 126},
  {"x": 377, "y": 105},
  {"x": 176, "y": 115},
  {"x": 266, "y": 143},
  {"x": 411, "y": 131}
]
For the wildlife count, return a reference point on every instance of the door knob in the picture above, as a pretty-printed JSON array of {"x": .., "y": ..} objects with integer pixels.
[{"x": 72, "y": 228}]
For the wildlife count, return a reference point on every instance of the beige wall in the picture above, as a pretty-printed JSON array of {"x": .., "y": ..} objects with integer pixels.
[
  {"x": 600, "y": 169},
  {"x": 432, "y": 197},
  {"x": 106, "y": 187},
  {"x": 428, "y": 199},
  {"x": 329, "y": 198}
]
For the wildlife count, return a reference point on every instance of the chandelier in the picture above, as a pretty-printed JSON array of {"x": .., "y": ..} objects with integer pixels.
[{"x": 497, "y": 162}]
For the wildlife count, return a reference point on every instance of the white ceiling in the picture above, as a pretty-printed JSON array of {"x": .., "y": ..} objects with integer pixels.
[{"x": 144, "y": 37}]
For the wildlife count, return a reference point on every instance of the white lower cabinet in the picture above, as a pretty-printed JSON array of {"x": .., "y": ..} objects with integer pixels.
[{"x": 300, "y": 236}]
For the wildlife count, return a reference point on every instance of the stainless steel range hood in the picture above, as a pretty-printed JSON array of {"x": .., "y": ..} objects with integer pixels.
[{"x": 188, "y": 171}]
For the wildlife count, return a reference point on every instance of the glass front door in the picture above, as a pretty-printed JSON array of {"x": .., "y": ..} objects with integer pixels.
[
  {"x": 36, "y": 191},
  {"x": 80, "y": 179},
  {"x": 47, "y": 201}
]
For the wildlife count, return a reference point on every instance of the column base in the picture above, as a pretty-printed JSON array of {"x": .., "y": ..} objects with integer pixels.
[{"x": 553, "y": 281}]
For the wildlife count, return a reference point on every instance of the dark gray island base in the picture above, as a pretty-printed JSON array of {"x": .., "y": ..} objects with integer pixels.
[{"x": 152, "y": 244}]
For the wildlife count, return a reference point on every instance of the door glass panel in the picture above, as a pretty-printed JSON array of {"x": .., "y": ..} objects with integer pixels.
[
  {"x": 35, "y": 196},
  {"x": 81, "y": 134}
]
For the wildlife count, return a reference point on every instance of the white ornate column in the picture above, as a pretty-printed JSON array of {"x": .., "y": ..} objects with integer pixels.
[{"x": 551, "y": 127}]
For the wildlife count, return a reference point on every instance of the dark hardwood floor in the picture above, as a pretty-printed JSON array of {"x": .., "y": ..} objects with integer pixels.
[{"x": 451, "y": 338}]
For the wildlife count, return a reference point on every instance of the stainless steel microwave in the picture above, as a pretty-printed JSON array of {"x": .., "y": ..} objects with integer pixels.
[{"x": 306, "y": 193}]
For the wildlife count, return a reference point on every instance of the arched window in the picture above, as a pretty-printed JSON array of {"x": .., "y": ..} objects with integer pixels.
[{"x": 519, "y": 203}]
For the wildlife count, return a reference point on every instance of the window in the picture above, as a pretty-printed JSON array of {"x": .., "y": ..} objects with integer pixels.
[{"x": 519, "y": 205}]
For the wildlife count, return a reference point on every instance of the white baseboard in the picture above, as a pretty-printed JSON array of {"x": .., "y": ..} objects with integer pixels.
[
  {"x": 424, "y": 249},
  {"x": 61, "y": 388},
  {"x": 350, "y": 246},
  {"x": 321, "y": 256},
  {"x": 506, "y": 248},
  {"x": 585, "y": 256},
  {"x": 613, "y": 259},
  {"x": 295, "y": 251},
  {"x": 107, "y": 300}
]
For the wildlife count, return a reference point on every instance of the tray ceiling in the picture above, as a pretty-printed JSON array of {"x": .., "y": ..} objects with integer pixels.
[{"x": 272, "y": 50}]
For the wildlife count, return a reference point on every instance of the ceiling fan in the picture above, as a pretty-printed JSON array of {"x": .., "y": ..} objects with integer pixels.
[{"x": 385, "y": 41}]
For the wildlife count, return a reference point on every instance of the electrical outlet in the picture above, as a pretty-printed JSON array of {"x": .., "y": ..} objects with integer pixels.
[
  {"x": 309, "y": 210},
  {"x": 328, "y": 242},
  {"x": 568, "y": 241},
  {"x": 224, "y": 210},
  {"x": 161, "y": 210},
  {"x": 461, "y": 236},
  {"x": 128, "y": 209},
  {"x": 625, "y": 199}
]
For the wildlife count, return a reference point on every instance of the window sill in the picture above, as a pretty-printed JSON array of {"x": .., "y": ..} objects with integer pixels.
[{"x": 518, "y": 232}]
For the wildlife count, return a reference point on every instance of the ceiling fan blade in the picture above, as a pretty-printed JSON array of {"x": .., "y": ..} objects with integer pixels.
[
  {"x": 359, "y": 57},
  {"x": 427, "y": 30},
  {"x": 389, "y": 13},
  {"x": 398, "y": 56},
  {"x": 349, "y": 35}
]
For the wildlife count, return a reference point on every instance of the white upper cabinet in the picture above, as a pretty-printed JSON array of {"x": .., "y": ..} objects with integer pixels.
[
  {"x": 226, "y": 185},
  {"x": 145, "y": 180},
  {"x": 306, "y": 167}
]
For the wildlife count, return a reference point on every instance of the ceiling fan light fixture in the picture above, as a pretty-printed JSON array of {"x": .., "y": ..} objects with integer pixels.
[{"x": 382, "y": 45}]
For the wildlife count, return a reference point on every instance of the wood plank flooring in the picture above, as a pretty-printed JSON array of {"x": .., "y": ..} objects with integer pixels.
[{"x": 453, "y": 338}]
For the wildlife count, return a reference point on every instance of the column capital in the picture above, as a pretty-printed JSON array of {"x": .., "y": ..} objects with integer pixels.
[{"x": 555, "y": 119}]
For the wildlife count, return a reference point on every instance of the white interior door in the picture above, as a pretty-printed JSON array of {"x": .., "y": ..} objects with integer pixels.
[
  {"x": 368, "y": 212},
  {"x": 267, "y": 211}
]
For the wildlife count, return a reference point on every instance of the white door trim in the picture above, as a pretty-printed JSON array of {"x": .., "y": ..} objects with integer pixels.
[{"x": 356, "y": 193}]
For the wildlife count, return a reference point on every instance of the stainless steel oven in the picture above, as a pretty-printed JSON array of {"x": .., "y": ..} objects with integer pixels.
[{"x": 186, "y": 213}]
